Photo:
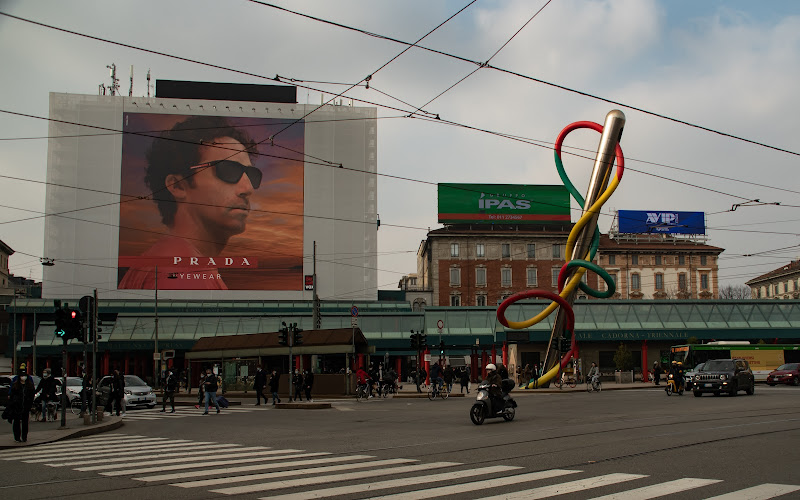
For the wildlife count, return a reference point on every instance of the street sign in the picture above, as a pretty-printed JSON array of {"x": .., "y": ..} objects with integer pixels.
[
  {"x": 156, "y": 356},
  {"x": 309, "y": 281},
  {"x": 354, "y": 321},
  {"x": 440, "y": 324},
  {"x": 354, "y": 311}
]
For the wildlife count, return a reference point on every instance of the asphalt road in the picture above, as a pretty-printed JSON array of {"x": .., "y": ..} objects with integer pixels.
[{"x": 570, "y": 445}]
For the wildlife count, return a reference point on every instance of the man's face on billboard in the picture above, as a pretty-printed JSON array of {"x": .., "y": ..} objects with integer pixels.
[{"x": 210, "y": 204}]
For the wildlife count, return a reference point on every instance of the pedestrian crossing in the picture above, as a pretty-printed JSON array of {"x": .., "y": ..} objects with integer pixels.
[
  {"x": 295, "y": 474},
  {"x": 185, "y": 411}
]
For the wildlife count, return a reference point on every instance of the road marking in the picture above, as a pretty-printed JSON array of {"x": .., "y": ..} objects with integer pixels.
[
  {"x": 295, "y": 472},
  {"x": 463, "y": 488},
  {"x": 114, "y": 445},
  {"x": 760, "y": 492},
  {"x": 114, "y": 450},
  {"x": 194, "y": 465},
  {"x": 141, "y": 454},
  {"x": 568, "y": 487},
  {"x": 659, "y": 490},
  {"x": 306, "y": 481},
  {"x": 61, "y": 445},
  {"x": 247, "y": 468},
  {"x": 235, "y": 453},
  {"x": 394, "y": 483}
]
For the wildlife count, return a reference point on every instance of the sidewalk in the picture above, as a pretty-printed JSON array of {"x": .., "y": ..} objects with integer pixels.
[{"x": 49, "y": 432}]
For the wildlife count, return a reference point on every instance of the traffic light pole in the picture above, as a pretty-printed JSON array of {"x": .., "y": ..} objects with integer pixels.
[
  {"x": 94, "y": 359},
  {"x": 290, "y": 341},
  {"x": 64, "y": 384}
]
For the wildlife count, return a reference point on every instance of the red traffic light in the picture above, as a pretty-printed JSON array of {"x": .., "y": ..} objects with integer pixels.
[{"x": 74, "y": 314}]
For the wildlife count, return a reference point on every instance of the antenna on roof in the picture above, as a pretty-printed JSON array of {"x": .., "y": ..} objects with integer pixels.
[
  {"x": 148, "y": 82},
  {"x": 130, "y": 90},
  {"x": 114, "y": 80}
]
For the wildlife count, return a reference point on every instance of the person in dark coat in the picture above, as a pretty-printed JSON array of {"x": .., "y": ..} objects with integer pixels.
[
  {"x": 298, "y": 385},
  {"x": 115, "y": 397},
  {"x": 421, "y": 376},
  {"x": 170, "y": 387},
  {"x": 20, "y": 402},
  {"x": 308, "y": 383},
  {"x": 465, "y": 379},
  {"x": 259, "y": 382},
  {"x": 274, "y": 383},
  {"x": 47, "y": 387},
  {"x": 449, "y": 375}
]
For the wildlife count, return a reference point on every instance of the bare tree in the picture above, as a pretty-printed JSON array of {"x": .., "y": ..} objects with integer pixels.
[{"x": 735, "y": 292}]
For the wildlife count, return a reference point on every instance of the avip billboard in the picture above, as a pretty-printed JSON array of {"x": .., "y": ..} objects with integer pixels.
[
  {"x": 209, "y": 205},
  {"x": 503, "y": 203},
  {"x": 658, "y": 222}
]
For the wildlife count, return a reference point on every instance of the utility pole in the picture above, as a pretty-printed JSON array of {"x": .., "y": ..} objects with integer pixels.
[
  {"x": 94, "y": 359},
  {"x": 156, "y": 355},
  {"x": 317, "y": 319}
]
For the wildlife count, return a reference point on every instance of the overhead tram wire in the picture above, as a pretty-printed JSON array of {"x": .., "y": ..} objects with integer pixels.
[{"x": 537, "y": 80}]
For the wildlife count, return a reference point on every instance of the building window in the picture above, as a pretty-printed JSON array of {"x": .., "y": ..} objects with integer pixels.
[
  {"x": 658, "y": 260},
  {"x": 681, "y": 260},
  {"x": 682, "y": 281},
  {"x": 455, "y": 300},
  {"x": 556, "y": 251},
  {"x": 455, "y": 276},
  {"x": 636, "y": 282},
  {"x": 480, "y": 300},
  {"x": 505, "y": 276},
  {"x": 758, "y": 293},
  {"x": 453, "y": 249},
  {"x": 703, "y": 260},
  {"x": 612, "y": 260},
  {"x": 613, "y": 278},
  {"x": 659, "y": 281},
  {"x": 532, "y": 278},
  {"x": 531, "y": 250},
  {"x": 554, "y": 276},
  {"x": 704, "y": 281},
  {"x": 505, "y": 249},
  {"x": 480, "y": 251},
  {"x": 635, "y": 259},
  {"x": 480, "y": 276}
]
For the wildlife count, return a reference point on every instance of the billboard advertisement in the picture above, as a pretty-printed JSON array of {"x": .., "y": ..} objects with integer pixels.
[
  {"x": 503, "y": 204},
  {"x": 210, "y": 204},
  {"x": 659, "y": 222}
]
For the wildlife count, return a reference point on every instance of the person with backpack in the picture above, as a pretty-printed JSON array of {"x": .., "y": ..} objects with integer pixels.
[
  {"x": 274, "y": 384},
  {"x": 259, "y": 382},
  {"x": 210, "y": 386},
  {"x": 20, "y": 402},
  {"x": 170, "y": 386},
  {"x": 116, "y": 394},
  {"x": 298, "y": 385}
]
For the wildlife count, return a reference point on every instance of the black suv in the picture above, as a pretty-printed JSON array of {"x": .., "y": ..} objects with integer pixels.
[{"x": 724, "y": 375}]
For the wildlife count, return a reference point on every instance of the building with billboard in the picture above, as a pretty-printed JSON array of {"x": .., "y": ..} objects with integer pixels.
[
  {"x": 780, "y": 283},
  {"x": 210, "y": 197}
]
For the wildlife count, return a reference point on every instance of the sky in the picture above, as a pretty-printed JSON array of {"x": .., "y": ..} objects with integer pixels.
[{"x": 729, "y": 67}]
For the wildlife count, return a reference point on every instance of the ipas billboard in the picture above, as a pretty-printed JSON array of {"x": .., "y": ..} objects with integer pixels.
[
  {"x": 503, "y": 204},
  {"x": 661, "y": 222}
]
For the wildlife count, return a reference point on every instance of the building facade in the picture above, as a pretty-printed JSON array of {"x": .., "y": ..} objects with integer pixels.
[
  {"x": 660, "y": 267},
  {"x": 781, "y": 283}
]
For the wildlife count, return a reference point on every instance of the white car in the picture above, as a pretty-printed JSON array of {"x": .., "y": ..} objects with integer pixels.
[{"x": 137, "y": 392}]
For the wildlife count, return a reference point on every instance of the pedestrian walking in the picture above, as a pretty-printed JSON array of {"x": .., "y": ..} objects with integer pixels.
[
  {"x": 298, "y": 385},
  {"x": 464, "y": 379},
  {"x": 421, "y": 376},
  {"x": 527, "y": 374},
  {"x": 86, "y": 390},
  {"x": 449, "y": 375},
  {"x": 170, "y": 386},
  {"x": 656, "y": 372},
  {"x": 200, "y": 390},
  {"x": 308, "y": 383},
  {"x": 20, "y": 402},
  {"x": 210, "y": 385},
  {"x": 259, "y": 382},
  {"x": 274, "y": 383},
  {"x": 116, "y": 394}
]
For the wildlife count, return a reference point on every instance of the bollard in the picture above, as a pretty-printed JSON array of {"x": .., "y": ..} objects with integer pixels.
[
  {"x": 87, "y": 418},
  {"x": 99, "y": 415}
]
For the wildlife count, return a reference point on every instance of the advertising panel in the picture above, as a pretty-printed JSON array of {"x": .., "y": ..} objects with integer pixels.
[
  {"x": 208, "y": 203},
  {"x": 659, "y": 222},
  {"x": 503, "y": 203},
  {"x": 761, "y": 361}
]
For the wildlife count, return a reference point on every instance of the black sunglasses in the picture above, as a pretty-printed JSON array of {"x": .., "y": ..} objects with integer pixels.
[{"x": 231, "y": 171}]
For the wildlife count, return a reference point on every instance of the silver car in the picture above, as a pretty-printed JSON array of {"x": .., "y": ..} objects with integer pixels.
[{"x": 137, "y": 393}]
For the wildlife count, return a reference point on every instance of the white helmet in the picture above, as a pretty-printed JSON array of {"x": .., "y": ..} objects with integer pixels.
[{"x": 490, "y": 367}]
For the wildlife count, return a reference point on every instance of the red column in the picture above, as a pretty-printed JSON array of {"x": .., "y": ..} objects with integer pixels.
[
  {"x": 644, "y": 361},
  {"x": 106, "y": 360},
  {"x": 494, "y": 354},
  {"x": 425, "y": 353},
  {"x": 47, "y": 363},
  {"x": 29, "y": 365},
  {"x": 297, "y": 362},
  {"x": 360, "y": 361},
  {"x": 398, "y": 364},
  {"x": 127, "y": 366},
  {"x": 24, "y": 324},
  {"x": 473, "y": 364},
  {"x": 505, "y": 354},
  {"x": 484, "y": 357}
]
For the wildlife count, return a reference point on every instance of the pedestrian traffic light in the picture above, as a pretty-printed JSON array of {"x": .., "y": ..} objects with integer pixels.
[
  {"x": 441, "y": 347},
  {"x": 283, "y": 335},
  {"x": 297, "y": 336}
]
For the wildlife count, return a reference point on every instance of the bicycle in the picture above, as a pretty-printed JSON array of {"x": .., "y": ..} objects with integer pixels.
[
  {"x": 594, "y": 384},
  {"x": 362, "y": 392},
  {"x": 434, "y": 391},
  {"x": 564, "y": 379}
]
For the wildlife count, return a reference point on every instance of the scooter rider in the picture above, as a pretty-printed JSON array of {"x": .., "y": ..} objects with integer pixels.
[
  {"x": 495, "y": 382},
  {"x": 679, "y": 376}
]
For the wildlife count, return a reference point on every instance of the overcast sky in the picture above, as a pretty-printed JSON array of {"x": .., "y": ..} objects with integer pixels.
[{"x": 733, "y": 67}]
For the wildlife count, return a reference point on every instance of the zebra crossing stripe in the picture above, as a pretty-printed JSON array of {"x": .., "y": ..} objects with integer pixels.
[
  {"x": 143, "y": 454},
  {"x": 462, "y": 488},
  {"x": 394, "y": 483},
  {"x": 236, "y": 453},
  {"x": 254, "y": 467},
  {"x": 659, "y": 490},
  {"x": 296, "y": 472},
  {"x": 310, "y": 480},
  {"x": 68, "y": 445},
  {"x": 568, "y": 487},
  {"x": 116, "y": 450},
  {"x": 30, "y": 454},
  {"x": 760, "y": 492},
  {"x": 193, "y": 465}
]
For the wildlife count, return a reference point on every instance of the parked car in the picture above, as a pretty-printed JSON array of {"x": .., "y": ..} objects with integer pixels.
[
  {"x": 785, "y": 374},
  {"x": 688, "y": 377},
  {"x": 137, "y": 392},
  {"x": 724, "y": 375}
]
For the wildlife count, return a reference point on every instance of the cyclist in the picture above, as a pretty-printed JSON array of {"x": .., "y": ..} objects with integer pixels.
[
  {"x": 593, "y": 375},
  {"x": 47, "y": 387},
  {"x": 363, "y": 379},
  {"x": 436, "y": 376}
]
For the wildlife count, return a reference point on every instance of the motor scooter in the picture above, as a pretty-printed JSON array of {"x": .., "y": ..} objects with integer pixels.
[
  {"x": 485, "y": 407},
  {"x": 673, "y": 387}
]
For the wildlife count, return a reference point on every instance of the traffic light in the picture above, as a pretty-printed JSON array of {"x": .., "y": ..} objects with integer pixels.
[
  {"x": 75, "y": 330},
  {"x": 283, "y": 335},
  {"x": 297, "y": 336},
  {"x": 441, "y": 347},
  {"x": 61, "y": 323},
  {"x": 414, "y": 341},
  {"x": 423, "y": 341}
]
